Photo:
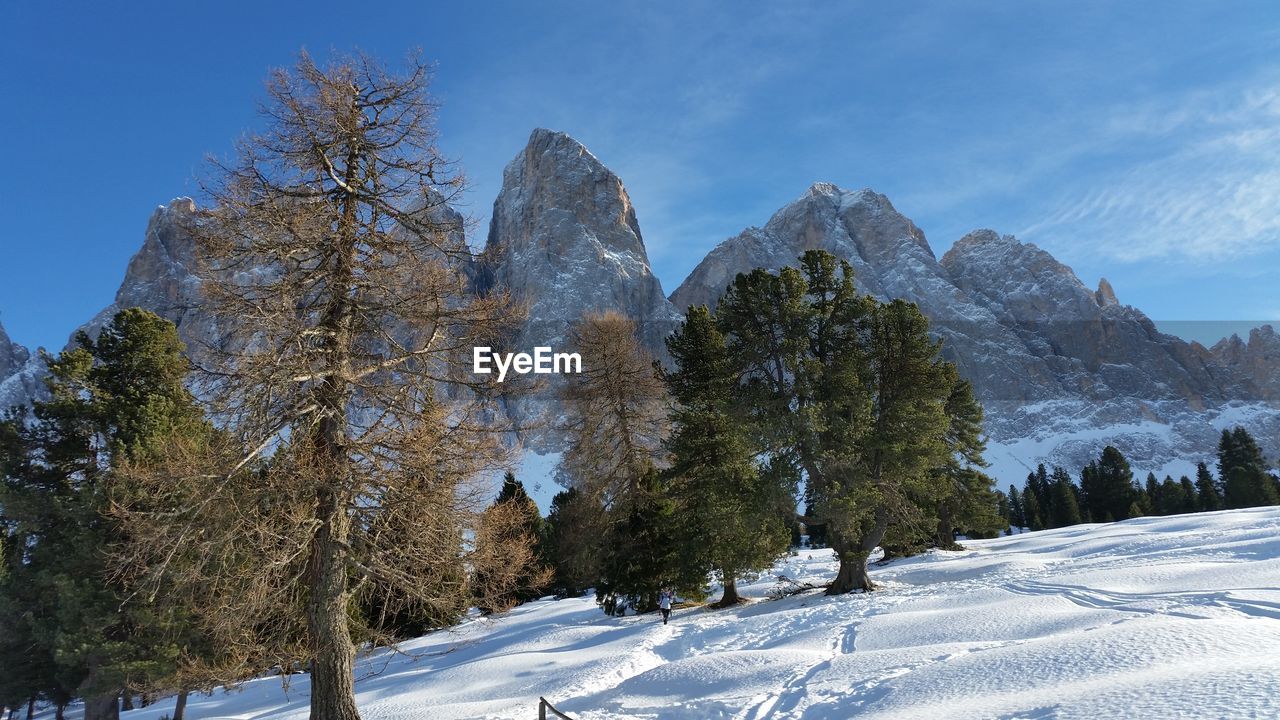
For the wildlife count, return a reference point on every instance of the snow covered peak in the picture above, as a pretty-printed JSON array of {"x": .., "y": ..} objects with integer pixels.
[
  {"x": 823, "y": 188},
  {"x": 888, "y": 252},
  {"x": 12, "y": 355},
  {"x": 20, "y": 371},
  {"x": 557, "y": 178},
  {"x": 981, "y": 240},
  {"x": 564, "y": 240}
]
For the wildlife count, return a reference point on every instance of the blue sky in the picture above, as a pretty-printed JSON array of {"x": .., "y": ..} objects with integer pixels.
[{"x": 1135, "y": 141}]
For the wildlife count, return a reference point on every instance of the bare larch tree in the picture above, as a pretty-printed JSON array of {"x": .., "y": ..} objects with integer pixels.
[
  {"x": 616, "y": 411},
  {"x": 355, "y": 435}
]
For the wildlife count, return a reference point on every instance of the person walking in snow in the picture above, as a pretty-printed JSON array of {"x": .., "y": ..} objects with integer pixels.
[{"x": 664, "y": 604}]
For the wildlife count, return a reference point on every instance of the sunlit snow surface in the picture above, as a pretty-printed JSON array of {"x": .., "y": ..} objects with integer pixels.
[{"x": 1173, "y": 617}]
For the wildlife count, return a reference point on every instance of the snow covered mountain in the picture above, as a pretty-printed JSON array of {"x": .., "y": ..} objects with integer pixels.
[
  {"x": 564, "y": 239},
  {"x": 1162, "y": 617},
  {"x": 20, "y": 372},
  {"x": 1061, "y": 369}
]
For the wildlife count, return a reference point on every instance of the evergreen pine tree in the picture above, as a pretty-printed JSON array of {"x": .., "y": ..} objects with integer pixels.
[
  {"x": 1189, "y": 502},
  {"x": 817, "y": 530},
  {"x": 1207, "y": 496},
  {"x": 1064, "y": 510},
  {"x": 1031, "y": 507},
  {"x": 1002, "y": 506},
  {"x": 113, "y": 402},
  {"x": 638, "y": 558},
  {"x": 967, "y": 499},
  {"x": 1173, "y": 498},
  {"x": 849, "y": 391},
  {"x": 573, "y": 539},
  {"x": 1038, "y": 485},
  {"x": 726, "y": 512},
  {"x": 1243, "y": 472},
  {"x": 1109, "y": 490},
  {"x": 1016, "y": 515},
  {"x": 1150, "y": 499}
]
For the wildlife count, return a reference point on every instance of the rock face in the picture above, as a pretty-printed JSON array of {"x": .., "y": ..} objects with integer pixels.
[
  {"x": 564, "y": 240},
  {"x": 20, "y": 373},
  {"x": 12, "y": 355},
  {"x": 162, "y": 278},
  {"x": 1257, "y": 360},
  {"x": 1061, "y": 369}
]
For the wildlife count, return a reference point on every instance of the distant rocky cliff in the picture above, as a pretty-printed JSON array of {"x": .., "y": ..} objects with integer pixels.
[
  {"x": 20, "y": 373},
  {"x": 564, "y": 240},
  {"x": 1061, "y": 368}
]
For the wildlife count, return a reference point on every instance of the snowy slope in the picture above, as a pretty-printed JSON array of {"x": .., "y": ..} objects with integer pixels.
[{"x": 1174, "y": 617}]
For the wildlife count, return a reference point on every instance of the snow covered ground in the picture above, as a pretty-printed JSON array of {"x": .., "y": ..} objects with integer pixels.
[{"x": 1175, "y": 617}]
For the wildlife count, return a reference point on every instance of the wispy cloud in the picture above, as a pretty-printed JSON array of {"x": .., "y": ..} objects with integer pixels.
[{"x": 1200, "y": 181}]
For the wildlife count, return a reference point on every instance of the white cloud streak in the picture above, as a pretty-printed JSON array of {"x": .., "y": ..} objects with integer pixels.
[{"x": 1205, "y": 187}]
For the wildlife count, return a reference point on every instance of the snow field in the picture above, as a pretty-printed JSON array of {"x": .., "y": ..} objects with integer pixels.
[{"x": 1175, "y": 617}]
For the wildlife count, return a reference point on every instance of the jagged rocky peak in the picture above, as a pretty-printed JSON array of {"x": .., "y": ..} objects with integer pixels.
[
  {"x": 1257, "y": 359},
  {"x": 1099, "y": 348},
  {"x": 20, "y": 373},
  {"x": 161, "y": 275},
  {"x": 1105, "y": 294},
  {"x": 861, "y": 226},
  {"x": 564, "y": 239},
  {"x": 1021, "y": 277},
  {"x": 12, "y": 355}
]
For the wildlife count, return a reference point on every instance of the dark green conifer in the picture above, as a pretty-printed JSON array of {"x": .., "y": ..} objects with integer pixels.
[
  {"x": 726, "y": 516},
  {"x": 1208, "y": 497},
  {"x": 1242, "y": 471},
  {"x": 1065, "y": 510}
]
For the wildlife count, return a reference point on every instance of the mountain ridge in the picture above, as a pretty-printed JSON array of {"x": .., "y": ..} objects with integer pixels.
[{"x": 1058, "y": 365}]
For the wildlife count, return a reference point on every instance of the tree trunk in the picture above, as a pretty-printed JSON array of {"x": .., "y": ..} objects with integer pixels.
[
  {"x": 853, "y": 573},
  {"x": 127, "y": 696},
  {"x": 946, "y": 535},
  {"x": 332, "y": 672},
  {"x": 180, "y": 705},
  {"x": 60, "y": 712},
  {"x": 332, "y": 680},
  {"x": 730, "y": 596},
  {"x": 102, "y": 707},
  {"x": 31, "y": 707}
]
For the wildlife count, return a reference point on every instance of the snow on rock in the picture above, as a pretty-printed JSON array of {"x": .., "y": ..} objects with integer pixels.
[
  {"x": 564, "y": 241},
  {"x": 20, "y": 373},
  {"x": 1153, "y": 617},
  {"x": 1060, "y": 368}
]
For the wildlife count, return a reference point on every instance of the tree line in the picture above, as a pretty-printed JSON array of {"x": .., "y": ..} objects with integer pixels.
[
  {"x": 682, "y": 476},
  {"x": 1109, "y": 491}
]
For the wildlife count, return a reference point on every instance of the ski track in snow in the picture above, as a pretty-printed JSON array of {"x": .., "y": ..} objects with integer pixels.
[{"x": 1175, "y": 617}]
